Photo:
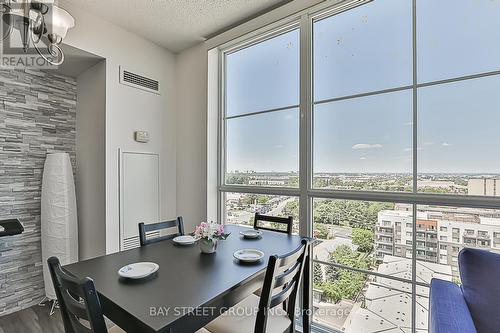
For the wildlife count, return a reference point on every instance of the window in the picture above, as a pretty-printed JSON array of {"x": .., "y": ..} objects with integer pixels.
[
  {"x": 262, "y": 150},
  {"x": 355, "y": 160},
  {"x": 459, "y": 36},
  {"x": 261, "y": 115},
  {"x": 342, "y": 65},
  {"x": 264, "y": 76},
  {"x": 444, "y": 144},
  {"x": 380, "y": 151},
  {"x": 372, "y": 157}
]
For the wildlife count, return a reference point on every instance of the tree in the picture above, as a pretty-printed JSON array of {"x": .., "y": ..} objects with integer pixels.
[
  {"x": 291, "y": 209},
  {"x": 240, "y": 180},
  {"x": 348, "y": 212},
  {"x": 343, "y": 283},
  {"x": 331, "y": 273},
  {"x": 363, "y": 238},
  {"x": 346, "y": 286},
  {"x": 317, "y": 275},
  {"x": 321, "y": 231}
]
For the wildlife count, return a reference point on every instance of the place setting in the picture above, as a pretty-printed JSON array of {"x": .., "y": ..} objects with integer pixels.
[
  {"x": 251, "y": 234},
  {"x": 248, "y": 256},
  {"x": 185, "y": 240},
  {"x": 138, "y": 271}
]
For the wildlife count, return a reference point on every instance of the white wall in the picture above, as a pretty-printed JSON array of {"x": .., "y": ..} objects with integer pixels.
[
  {"x": 191, "y": 108},
  {"x": 129, "y": 109},
  {"x": 91, "y": 161}
]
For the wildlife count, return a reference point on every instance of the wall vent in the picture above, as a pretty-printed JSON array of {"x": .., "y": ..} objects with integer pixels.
[{"x": 138, "y": 81}]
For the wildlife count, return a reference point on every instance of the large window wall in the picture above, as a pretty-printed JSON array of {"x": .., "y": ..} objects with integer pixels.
[{"x": 373, "y": 124}]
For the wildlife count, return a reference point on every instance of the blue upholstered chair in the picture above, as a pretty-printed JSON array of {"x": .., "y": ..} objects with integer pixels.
[{"x": 474, "y": 306}]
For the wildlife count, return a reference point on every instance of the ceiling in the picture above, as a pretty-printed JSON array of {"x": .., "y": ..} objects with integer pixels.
[{"x": 176, "y": 24}]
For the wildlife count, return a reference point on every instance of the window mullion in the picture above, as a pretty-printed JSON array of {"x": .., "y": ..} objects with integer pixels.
[{"x": 415, "y": 171}]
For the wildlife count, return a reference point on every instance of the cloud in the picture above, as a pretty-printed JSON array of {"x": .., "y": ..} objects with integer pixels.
[
  {"x": 359, "y": 146},
  {"x": 363, "y": 158},
  {"x": 279, "y": 146},
  {"x": 446, "y": 144},
  {"x": 411, "y": 149}
]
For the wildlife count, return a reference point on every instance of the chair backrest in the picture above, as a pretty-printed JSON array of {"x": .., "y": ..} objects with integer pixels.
[
  {"x": 287, "y": 221},
  {"x": 480, "y": 274},
  {"x": 78, "y": 301},
  {"x": 145, "y": 228},
  {"x": 281, "y": 285}
]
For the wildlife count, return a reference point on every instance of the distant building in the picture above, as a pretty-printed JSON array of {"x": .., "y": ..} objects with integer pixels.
[
  {"x": 484, "y": 186},
  {"x": 267, "y": 182},
  {"x": 441, "y": 233}
]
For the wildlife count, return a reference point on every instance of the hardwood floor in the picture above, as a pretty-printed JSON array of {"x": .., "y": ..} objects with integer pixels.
[
  {"x": 32, "y": 320},
  {"x": 35, "y": 320}
]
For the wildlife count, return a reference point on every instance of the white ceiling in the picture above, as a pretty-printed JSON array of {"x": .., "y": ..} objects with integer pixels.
[{"x": 175, "y": 24}]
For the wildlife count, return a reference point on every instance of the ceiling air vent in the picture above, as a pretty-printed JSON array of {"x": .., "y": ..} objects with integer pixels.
[{"x": 138, "y": 81}]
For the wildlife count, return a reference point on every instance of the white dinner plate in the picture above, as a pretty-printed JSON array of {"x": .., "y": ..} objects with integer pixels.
[
  {"x": 184, "y": 240},
  {"x": 248, "y": 255},
  {"x": 138, "y": 270},
  {"x": 251, "y": 233}
]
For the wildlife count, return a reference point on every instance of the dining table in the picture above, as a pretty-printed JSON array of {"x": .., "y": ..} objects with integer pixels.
[{"x": 190, "y": 288}]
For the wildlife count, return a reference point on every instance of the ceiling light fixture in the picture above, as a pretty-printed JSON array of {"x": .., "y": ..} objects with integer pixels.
[{"x": 39, "y": 22}]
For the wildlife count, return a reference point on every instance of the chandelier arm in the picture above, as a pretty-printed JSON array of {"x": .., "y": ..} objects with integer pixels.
[
  {"x": 7, "y": 34},
  {"x": 40, "y": 34},
  {"x": 5, "y": 9},
  {"x": 53, "y": 49}
]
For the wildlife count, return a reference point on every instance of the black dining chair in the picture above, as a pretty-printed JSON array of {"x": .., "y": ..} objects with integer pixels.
[
  {"x": 146, "y": 228},
  {"x": 287, "y": 221},
  {"x": 79, "y": 303},
  {"x": 281, "y": 285}
]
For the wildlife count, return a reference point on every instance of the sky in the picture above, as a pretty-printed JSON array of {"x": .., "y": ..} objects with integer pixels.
[{"x": 367, "y": 49}]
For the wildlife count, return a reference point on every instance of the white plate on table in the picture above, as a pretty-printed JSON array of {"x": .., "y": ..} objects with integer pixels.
[
  {"x": 251, "y": 233},
  {"x": 138, "y": 270},
  {"x": 184, "y": 240},
  {"x": 248, "y": 255}
]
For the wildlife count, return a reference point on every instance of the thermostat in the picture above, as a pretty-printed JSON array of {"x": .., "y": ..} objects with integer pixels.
[{"x": 141, "y": 136}]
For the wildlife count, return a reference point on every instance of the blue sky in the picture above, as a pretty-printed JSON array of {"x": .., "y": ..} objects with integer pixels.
[{"x": 368, "y": 49}]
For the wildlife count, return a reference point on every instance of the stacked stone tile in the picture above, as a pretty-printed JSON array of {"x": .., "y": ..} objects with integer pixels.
[{"x": 37, "y": 116}]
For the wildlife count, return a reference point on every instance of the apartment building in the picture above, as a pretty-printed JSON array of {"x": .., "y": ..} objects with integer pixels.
[
  {"x": 441, "y": 232},
  {"x": 484, "y": 186}
]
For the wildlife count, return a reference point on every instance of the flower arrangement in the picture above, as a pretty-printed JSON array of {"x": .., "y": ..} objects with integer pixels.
[{"x": 209, "y": 233}]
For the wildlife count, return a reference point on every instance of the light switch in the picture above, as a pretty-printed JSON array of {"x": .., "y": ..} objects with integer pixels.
[{"x": 141, "y": 136}]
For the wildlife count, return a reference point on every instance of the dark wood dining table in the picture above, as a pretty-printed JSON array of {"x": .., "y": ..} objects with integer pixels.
[{"x": 190, "y": 288}]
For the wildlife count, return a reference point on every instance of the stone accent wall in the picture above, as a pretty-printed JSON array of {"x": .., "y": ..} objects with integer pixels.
[{"x": 37, "y": 116}]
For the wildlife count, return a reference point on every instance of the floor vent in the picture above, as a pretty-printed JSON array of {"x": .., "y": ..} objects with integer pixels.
[{"x": 138, "y": 81}]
